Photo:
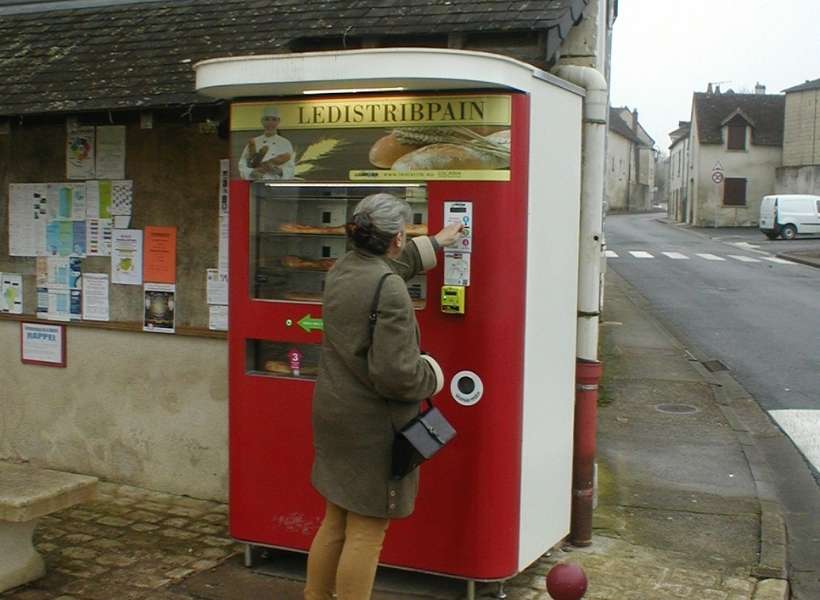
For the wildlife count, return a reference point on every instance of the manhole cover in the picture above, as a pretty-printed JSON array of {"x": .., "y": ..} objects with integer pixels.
[
  {"x": 677, "y": 409},
  {"x": 715, "y": 365}
]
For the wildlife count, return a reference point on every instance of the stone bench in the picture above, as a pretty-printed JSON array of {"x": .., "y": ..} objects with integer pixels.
[{"x": 26, "y": 494}]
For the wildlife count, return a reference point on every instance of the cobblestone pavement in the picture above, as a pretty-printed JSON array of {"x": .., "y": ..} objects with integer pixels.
[{"x": 125, "y": 544}]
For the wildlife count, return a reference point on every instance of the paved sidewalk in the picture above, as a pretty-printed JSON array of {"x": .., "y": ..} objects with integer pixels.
[{"x": 684, "y": 505}]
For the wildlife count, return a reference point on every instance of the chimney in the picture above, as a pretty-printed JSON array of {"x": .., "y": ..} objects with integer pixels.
[
  {"x": 635, "y": 120},
  {"x": 709, "y": 89},
  {"x": 717, "y": 90},
  {"x": 760, "y": 89}
]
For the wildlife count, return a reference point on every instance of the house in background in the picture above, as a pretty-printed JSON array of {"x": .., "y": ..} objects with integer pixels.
[
  {"x": 800, "y": 173},
  {"x": 630, "y": 163},
  {"x": 735, "y": 147},
  {"x": 678, "y": 178}
]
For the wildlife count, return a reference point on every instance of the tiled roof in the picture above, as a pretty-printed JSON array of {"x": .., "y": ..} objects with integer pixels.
[
  {"x": 804, "y": 87},
  {"x": 141, "y": 55},
  {"x": 765, "y": 111},
  {"x": 619, "y": 126}
]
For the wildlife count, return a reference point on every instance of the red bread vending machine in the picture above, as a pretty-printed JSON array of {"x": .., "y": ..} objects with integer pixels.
[{"x": 498, "y": 150}]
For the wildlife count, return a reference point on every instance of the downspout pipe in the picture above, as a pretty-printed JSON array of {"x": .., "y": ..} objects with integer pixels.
[{"x": 588, "y": 368}]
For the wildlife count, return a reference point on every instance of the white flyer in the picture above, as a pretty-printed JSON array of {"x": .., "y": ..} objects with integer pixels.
[
  {"x": 217, "y": 287},
  {"x": 218, "y": 317},
  {"x": 11, "y": 293},
  {"x": 95, "y": 297},
  {"x": 98, "y": 237},
  {"x": 456, "y": 268},
  {"x": 126, "y": 256},
  {"x": 122, "y": 197},
  {"x": 224, "y": 183},
  {"x": 222, "y": 261},
  {"x": 110, "y": 149},
  {"x": 22, "y": 240}
]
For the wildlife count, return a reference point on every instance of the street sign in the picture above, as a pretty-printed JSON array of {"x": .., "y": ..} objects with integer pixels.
[{"x": 717, "y": 177}]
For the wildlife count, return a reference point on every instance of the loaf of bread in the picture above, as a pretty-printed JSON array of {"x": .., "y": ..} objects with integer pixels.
[
  {"x": 302, "y": 296},
  {"x": 386, "y": 150},
  {"x": 414, "y": 230},
  {"x": 308, "y": 264},
  {"x": 448, "y": 156},
  {"x": 311, "y": 229},
  {"x": 280, "y": 367}
]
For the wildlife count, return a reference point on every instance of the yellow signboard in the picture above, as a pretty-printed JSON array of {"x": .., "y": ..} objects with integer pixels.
[{"x": 387, "y": 111}]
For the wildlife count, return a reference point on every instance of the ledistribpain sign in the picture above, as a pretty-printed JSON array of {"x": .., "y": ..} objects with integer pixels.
[{"x": 381, "y": 138}]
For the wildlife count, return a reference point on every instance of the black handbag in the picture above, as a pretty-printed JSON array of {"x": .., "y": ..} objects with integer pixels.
[{"x": 422, "y": 437}]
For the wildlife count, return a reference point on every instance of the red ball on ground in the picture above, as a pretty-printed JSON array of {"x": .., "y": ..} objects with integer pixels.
[{"x": 566, "y": 581}]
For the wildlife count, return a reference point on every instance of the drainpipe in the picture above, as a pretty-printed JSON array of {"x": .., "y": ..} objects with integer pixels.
[{"x": 588, "y": 369}]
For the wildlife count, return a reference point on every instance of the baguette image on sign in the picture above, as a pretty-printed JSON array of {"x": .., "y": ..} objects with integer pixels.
[{"x": 389, "y": 138}]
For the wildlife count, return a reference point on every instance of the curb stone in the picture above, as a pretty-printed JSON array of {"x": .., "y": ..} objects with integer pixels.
[
  {"x": 803, "y": 260},
  {"x": 771, "y": 589}
]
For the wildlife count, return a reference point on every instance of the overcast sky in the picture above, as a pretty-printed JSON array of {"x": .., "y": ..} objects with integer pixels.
[{"x": 664, "y": 50}]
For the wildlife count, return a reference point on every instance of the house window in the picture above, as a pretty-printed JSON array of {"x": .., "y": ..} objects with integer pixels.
[
  {"x": 737, "y": 137},
  {"x": 734, "y": 191}
]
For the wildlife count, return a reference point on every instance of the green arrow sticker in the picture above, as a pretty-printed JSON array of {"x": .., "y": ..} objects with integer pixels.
[{"x": 309, "y": 324}]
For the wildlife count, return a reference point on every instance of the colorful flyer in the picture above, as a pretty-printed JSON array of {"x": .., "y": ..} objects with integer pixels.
[
  {"x": 79, "y": 154},
  {"x": 159, "y": 307},
  {"x": 11, "y": 293},
  {"x": 126, "y": 256},
  {"x": 160, "y": 255}
]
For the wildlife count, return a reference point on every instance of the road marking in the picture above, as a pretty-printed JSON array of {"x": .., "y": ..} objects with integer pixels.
[
  {"x": 779, "y": 261},
  {"x": 710, "y": 257},
  {"x": 611, "y": 254},
  {"x": 743, "y": 258},
  {"x": 640, "y": 254},
  {"x": 802, "y": 427},
  {"x": 676, "y": 255}
]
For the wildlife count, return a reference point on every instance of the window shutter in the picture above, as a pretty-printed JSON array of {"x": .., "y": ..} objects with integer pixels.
[
  {"x": 734, "y": 191},
  {"x": 737, "y": 137}
]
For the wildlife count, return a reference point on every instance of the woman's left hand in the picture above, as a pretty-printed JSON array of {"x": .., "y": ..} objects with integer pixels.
[{"x": 449, "y": 234}]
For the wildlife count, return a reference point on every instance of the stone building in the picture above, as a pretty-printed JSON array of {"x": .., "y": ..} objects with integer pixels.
[
  {"x": 630, "y": 163},
  {"x": 800, "y": 173}
]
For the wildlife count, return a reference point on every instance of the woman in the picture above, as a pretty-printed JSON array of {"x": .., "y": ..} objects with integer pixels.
[{"x": 366, "y": 388}]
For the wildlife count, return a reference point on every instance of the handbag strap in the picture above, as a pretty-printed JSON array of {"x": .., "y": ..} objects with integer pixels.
[
  {"x": 374, "y": 316},
  {"x": 374, "y": 306}
]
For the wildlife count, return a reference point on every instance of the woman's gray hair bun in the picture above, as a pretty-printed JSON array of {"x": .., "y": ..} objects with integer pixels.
[{"x": 376, "y": 220}]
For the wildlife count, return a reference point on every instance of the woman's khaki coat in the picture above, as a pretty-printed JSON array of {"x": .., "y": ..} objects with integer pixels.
[{"x": 364, "y": 390}]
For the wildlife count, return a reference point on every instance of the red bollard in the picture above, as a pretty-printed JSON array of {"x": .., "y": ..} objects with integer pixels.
[
  {"x": 566, "y": 581},
  {"x": 587, "y": 376}
]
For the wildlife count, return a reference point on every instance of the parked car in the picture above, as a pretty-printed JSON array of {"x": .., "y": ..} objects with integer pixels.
[{"x": 787, "y": 215}]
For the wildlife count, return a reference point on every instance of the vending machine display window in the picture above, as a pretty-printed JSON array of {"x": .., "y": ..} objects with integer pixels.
[
  {"x": 282, "y": 359},
  {"x": 297, "y": 232}
]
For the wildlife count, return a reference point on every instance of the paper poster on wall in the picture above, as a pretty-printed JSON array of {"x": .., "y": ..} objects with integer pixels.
[
  {"x": 218, "y": 317},
  {"x": 25, "y": 201},
  {"x": 98, "y": 199},
  {"x": 122, "y": 197},
  {"x": 110, "y": 152},
  {"x": 11, "y": 293},
  {"x": 222, "y": 258},
  {"x": 54, "y": 304},
  {"x": 126, "y": 256},
  {"x": 224, "y": 190},
  {"x": 98, "y": 237},
  {"x": 159, "y": 307},
  {"x": 79, "y": 154},
  {"x": 95, "y": 303},
  {"x": 66, "y": 201},
  {"x": 160, "y": 255},
  {"x": 43, "y": 344},
  {"x": 217, "y": 287}
]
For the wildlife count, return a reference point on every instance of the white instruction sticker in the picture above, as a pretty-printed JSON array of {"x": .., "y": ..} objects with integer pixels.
[{"x": 456, "y": 268}]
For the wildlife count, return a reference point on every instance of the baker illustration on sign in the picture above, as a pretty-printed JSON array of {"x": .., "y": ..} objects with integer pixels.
[{"x": 268, "y": 156}]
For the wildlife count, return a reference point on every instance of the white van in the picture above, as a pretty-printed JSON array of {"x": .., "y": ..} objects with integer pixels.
[{"x": 786, "y": 215}]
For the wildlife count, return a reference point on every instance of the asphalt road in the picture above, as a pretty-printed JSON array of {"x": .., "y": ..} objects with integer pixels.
[{"x": 726, "y": 295}]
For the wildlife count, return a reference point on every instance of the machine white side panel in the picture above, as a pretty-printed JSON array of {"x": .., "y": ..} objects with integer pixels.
[{"x": 552, "y": 279}]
